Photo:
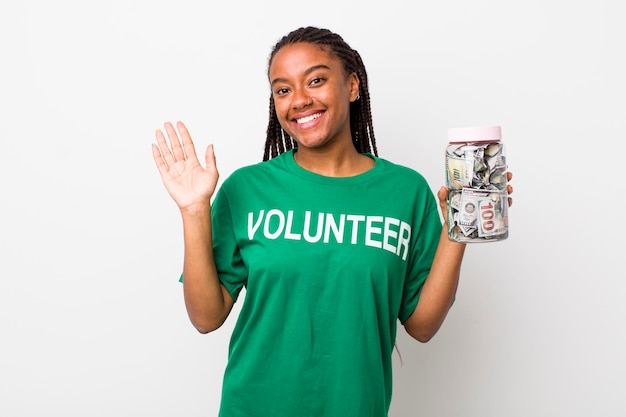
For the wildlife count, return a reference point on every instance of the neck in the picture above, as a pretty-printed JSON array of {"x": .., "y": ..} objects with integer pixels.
[{"x": 333, "y": 163}]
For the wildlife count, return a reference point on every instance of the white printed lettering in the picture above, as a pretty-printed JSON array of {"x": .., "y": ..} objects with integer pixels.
[
  {"x": 307, "y": 227},
  {"x": 355, "y": 219},
  {"x": 337, "y": 229},
  {"x": 252, "y": 225},
  {"x": 281, "y": 224},
  {"x": 371, "y": 230},
  {"x": 389, "y": 221},
  {"x": 288, "y": 233},
  {"x": 388, "y": 233},
  {"x": 404, "y": 237}
]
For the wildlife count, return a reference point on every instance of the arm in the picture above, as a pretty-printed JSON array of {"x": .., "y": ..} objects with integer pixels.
[
  {"x": 207, "y": 301},
  {"x": 441, "y": 284},
  {"x": 438, "y": 291},
  {"x": 191, "y": 186}
]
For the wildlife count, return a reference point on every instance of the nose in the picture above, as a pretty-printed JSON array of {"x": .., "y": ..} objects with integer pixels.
[{"x": 301, "y": 99}]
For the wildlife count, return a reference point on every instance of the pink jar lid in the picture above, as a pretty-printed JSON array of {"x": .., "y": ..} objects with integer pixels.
[{"x": 474, "y": 134}]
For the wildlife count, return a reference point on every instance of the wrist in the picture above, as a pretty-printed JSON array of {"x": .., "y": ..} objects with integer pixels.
[
  {"x": 445, "y": 239},
  {"x": 195, "y": 211}
]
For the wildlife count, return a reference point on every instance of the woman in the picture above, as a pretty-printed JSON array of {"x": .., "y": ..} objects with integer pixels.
[{"x": 333, "y": 244}]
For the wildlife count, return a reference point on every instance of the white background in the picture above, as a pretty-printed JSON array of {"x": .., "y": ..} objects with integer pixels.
[{"x": 92, "y": 321}]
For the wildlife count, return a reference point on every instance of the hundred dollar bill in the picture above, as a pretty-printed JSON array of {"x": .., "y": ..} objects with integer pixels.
[
  {"x": 467, "y": 230},
  {"x": 492, "y": 215},
  {"x": 478, "y": 166},
  {"x": 482, "y": 210},
  {"x": 460, "y": 171},
  {"x": 468, "y": 212}
]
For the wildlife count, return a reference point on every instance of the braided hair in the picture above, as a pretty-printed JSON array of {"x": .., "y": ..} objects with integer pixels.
[{"x": 361, "y": 128}]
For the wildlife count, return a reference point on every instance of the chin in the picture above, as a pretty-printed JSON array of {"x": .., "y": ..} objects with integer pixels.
[
  {"x": 312, "y": 142},
  {"x": 309, "y": 145}
]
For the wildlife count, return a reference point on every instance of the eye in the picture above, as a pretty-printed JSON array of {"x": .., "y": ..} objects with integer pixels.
[
  {"x": 317, "y": 80},
  {"x": 281, "y": 91}
]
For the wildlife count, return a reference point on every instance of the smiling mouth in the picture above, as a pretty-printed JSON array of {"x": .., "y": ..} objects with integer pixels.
[{"x": 308, "y": 118}]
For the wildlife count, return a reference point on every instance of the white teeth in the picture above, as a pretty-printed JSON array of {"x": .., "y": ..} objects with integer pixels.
[{"x": 308, "y": 118}]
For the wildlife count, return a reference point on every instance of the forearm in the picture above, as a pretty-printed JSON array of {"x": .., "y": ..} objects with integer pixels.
[
  {"x": 207, "y": 302},
  {"x": 439, "y": 290}
]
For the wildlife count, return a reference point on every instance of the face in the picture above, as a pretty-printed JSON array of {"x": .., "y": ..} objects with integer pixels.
[{"x": 312, "y": 95}]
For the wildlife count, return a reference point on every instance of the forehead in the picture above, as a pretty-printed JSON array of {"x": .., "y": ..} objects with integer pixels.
[{"x": 299, "y": 57}]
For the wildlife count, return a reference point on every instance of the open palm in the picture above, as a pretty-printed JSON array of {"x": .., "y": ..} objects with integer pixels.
[{"x": 185, "y": 179}]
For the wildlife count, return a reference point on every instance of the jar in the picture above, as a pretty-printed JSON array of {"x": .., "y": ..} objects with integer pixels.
[{"x": 477, "y": 185}]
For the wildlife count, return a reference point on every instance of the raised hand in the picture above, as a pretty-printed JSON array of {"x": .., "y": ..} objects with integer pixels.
[{"x": 188, "y": 183}]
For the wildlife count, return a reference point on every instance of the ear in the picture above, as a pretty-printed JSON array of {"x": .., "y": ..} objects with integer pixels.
[{"x": 355, "y": 84}]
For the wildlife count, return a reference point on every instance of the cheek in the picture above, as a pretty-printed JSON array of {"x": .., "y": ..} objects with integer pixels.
[
  {"x": 283, "y": 121},
  {"x": 281, "y": 109}
]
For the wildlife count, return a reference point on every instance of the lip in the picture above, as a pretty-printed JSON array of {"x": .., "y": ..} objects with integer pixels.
[{"x": 305, "y": 115}]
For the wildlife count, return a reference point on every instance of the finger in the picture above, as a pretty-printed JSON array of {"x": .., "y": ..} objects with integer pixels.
[
  {"x": 188, "y": 147},
  {"x": 158, "y": 159},
  {"x": 164, "y": 149},
  {"x": 209, "y": 157},
  {"x": 510, "y": 201},
  {"x": 509, "y": 176},
  {"x": 177, "y": 150}
]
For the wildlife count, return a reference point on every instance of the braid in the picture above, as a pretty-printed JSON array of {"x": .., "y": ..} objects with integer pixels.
[
  {"x": 278, "y": 141},
  {"x": 361, "y": 125},
  {"x": 281, "y": 141}
]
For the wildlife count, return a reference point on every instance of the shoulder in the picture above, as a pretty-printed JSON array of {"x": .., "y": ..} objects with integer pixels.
[
  {"x": 400, "y": 172},
  {"x": 258, "y": 172},
  {"x": 406, "y": 184}
]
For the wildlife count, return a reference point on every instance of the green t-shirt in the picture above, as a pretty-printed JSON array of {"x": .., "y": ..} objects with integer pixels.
[{"x": 329, "y": 266}]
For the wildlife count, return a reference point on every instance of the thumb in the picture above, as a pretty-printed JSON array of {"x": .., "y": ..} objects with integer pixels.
[{"x": 442, "y": 194}]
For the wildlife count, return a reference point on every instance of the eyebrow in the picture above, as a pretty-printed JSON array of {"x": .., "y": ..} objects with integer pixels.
[{"x": 307, "y": 72}]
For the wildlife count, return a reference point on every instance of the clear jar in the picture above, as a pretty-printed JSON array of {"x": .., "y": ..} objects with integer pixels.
[{"x": 477, "y": 183}]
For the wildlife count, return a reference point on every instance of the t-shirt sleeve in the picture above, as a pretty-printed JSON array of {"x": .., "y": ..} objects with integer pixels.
[
  {"x": 427, "y": 229},
  {"x": 231, "y": 270}
]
